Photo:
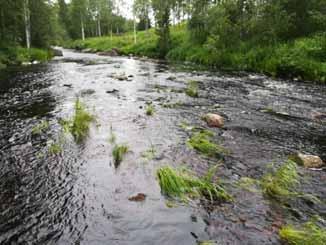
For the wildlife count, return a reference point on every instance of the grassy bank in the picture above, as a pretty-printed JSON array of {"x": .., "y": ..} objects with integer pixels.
[
  {"x": 18, "y": 55},
  {"x": 303, "y": 58}
]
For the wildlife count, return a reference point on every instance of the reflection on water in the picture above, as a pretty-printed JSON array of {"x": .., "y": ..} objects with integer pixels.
[{"x": 78, "y": 197}]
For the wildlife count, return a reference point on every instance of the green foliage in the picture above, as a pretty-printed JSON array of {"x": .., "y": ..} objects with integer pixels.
[
  {"x": 40, "y": 128},
  {"x": 118, "y": 153},
  {"x": 192, "y": 89},
  {"x": 308, "y": 234},
  {"x": 202, "y": 142},
  {"x": 176, "y": 183},
  {"x": 18, "y": 55},
  {"x": 150, "y": 110},
  {"x": 81, "y": 121},
  {"x": 79, "y": 125},
  {"x": 55, "y": 149},
  {"x": 282, "y": 182}
]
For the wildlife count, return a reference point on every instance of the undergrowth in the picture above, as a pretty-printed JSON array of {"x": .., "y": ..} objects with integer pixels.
[{"x": 181, "y": 183}]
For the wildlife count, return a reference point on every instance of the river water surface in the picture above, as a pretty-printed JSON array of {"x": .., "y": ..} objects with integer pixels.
[{"x": 79, "y": 197}]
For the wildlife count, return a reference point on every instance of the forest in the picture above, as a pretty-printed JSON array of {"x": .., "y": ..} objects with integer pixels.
[
  {"x": 162, "y": 122},
  {"x": 281, "y": 38}
]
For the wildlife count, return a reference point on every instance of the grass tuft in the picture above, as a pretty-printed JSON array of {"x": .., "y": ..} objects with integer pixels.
[
  {"x": 55, "y": 149},
  {"x": 176, "y": 183},
  {"x": 40, "y": 128},
  {"x": 282, "y": 182},
  {"x": 118, "y": 152},
  {"x": 201, "y": 141},
  {"x": 192, "y": 89},
  {"x": 79, "y": 125},
  {"x": 309, "y": 234},
  {"x": 150, "y": 110}
]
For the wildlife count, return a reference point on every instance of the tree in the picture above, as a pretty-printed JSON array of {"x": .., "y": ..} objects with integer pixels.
[{"x": 162, "y": 10}]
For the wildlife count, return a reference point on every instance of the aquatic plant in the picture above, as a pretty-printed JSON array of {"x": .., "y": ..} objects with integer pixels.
[
  {"x": 79, "y": 125},
  {"x": 201, "y": 141},
  {"x": 40, "y": 128},
  {"x": 112, "y": 137},
  {"x": 192, "y": 89},
  {"x": 150, "y": 110},
  {"x": 282, "y": 182},
  {"x": 118, "y": 153},
  {"x": 308, "y": 234},
  {"x": 150, "y": 153},
  {"x": 54, "y": 148},
  {"x": 178, "y": 183},
  {"x": 81, "y": 121}
]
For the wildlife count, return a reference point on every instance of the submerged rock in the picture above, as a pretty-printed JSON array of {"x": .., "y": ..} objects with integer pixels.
[
  {"x": 319, "y": 116},
  {"x": 86, "y": 92},
  {"x": 140, "y": 197},
  {"x": 214, "y": 120},
  {"x": 112, "y": 91},
  {"x": 308, "y": 161}
]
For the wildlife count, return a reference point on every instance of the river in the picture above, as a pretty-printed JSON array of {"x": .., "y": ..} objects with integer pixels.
[{"x": 79, "y": 197}]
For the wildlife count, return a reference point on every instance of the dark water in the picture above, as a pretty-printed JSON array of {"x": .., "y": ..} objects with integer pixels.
[{"x": 78, "y": 197}]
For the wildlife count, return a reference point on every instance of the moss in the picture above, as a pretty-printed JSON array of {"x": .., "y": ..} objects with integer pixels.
[
  {"x": 201, "y": 141},
  {"x": 282, "y": 182},
  {"x": 118, "y": 153},
  {"x": 150, "y": 110},
  {"x": 178, "y": 183},
  {"x": 192, "y": 89},
  {"x": 248, "y": 184},
  {"x": 40, "y": 128},
  {"x": 308, "y": 234}
]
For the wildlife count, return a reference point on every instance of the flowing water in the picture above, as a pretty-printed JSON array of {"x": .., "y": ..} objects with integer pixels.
[{"x": 79, "y": 197}]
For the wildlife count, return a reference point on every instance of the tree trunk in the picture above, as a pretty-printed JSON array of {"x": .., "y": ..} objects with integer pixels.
[
  {"x": 99, "y": 26},
  {"x": 135, "y": 31},
  {"x": 82, "y": 28},
  {"x": 27, "y": 18}
]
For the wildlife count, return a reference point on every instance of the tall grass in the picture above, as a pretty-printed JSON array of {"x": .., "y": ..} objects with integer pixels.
[
  {"x": 118, "y": 153},
  {"x": 79, "y": 125},
  {"x": 282, "y": 182},
  {"x": 202, "y": 142},
  {"x": 192, "y": 89},
  {"x": 308, "y": 234},
  {"x": 178, "y": 183}
]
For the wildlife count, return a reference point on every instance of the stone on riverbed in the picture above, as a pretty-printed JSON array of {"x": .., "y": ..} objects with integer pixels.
[
  {"x": 112, "y": 52},
  {"x": 140, "y": 197},
  {"x": 57, "y": 52},
  {"x": 308, "y": 161},
  {"x": 214, "y": 120}
]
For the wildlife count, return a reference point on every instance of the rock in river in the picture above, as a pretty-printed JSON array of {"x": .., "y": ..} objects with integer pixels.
[
  {"x": 308, "y": 161},
  {"x": 214, "y": 120},
  {"x": 140, "y": 197}
]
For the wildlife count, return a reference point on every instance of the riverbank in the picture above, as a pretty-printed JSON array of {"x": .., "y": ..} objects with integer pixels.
[
  {"x": 18, "y": 55},
  {"x": 303, "y": 59}
]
